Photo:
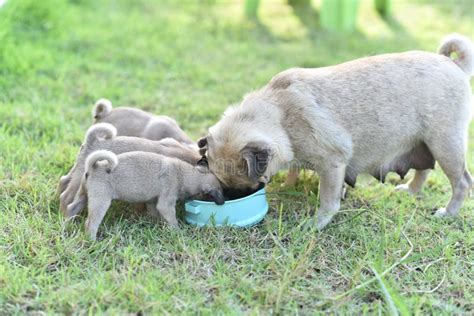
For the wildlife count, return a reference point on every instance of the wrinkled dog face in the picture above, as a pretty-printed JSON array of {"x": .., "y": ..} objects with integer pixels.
[{"x": 238, "y": 168}]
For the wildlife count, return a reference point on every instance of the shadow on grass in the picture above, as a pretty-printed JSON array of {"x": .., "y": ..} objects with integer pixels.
[
  {"x": 261, "y": 31},
  {"x": 460, "y": 8},
  {"x": 343, "y": 44},
  {"x": 398, "y": 28},
  {"x": 307, "y": 15}
]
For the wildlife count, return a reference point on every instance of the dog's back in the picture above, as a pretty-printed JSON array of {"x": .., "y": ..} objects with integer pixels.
[
  {"x": 127, "y": 121},
  {"x": 138, "y": 123},
  {"x": 380, "y": 107}
]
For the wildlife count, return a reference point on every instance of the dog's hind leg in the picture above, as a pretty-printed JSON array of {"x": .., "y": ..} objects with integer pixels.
[
  {"x": 65, "y": 180},
  {"x": 65, "y": 199},
  {"x": 98, "y": 206},
  {"x": 450, "y": 152},
  {"x": 416, "y": 183},
  {"x": 470, "y": 180},
  {"x": 76, "y": 206},
  {"x": 63, "y": 183},
  {"x": 68, "y": 195}
]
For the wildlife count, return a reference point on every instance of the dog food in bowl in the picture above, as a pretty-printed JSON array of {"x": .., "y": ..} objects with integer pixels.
[{"x": 241, "y": 212}]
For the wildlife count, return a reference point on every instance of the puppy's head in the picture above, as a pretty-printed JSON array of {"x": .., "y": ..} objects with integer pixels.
[
  {"x": 237, "y": 167},
  {"x": 217, "y": 195},
  {"x": 211, "y": 186}
]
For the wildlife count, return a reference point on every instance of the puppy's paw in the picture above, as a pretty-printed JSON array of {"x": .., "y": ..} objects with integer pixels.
[
  {"x": 405, "y": 188},
  {"x": 323, "y": 220},
  {"x": 318, "y": 223},
  {"x": 442, "y": 213}
]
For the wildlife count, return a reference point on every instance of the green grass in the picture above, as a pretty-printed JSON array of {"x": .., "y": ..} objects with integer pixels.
[{"x": 385, "y": 253}]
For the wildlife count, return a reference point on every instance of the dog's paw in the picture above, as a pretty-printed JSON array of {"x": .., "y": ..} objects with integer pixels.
[
  {"x": 441, "y": 213},
  {"x": 323, "y": 221},
  {"x": 404, "y": 188},
  {"x": 318, "y": 223}
]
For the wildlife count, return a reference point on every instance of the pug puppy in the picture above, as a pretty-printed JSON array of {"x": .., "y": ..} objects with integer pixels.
[
  {"x": 135, "y": 123},
  {"x": 138, "y": 123},
  {"x": 140, "y": 177},
  {"x": 373, "y": 115},
  {"x": 104, "y": 136}
]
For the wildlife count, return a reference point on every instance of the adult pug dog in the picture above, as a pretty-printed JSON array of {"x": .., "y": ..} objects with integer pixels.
[{"x": 384, "y": 113}]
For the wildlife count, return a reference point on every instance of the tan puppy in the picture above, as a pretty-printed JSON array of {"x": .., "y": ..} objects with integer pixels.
[
  {"x": 133, "y": 122},
  {"x": 373, "y": 115},
  {"x": 140, "y": 177},
  {"x": 138, "y": 123},
  {"x": 103, "y": 136}
]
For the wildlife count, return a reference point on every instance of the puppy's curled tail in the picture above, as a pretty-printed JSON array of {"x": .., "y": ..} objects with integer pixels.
[
  {"x": 92, "y": 159},
  {"x": 462, "y": 46},
  {"x": 100, "y": 131},
  {"x": 102, "y": 108}
]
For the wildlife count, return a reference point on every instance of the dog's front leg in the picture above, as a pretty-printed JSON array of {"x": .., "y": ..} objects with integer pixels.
[
  {"x": 166, "y": 206},
  {"x": 331, "y": 181},
  {"x": 151, "y": 209}
]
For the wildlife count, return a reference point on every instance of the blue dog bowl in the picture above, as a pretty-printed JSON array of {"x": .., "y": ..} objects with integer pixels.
[{"x": 243, "y": 212}]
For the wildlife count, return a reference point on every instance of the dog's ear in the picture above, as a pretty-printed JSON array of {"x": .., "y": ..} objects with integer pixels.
[{"x": 256, "y": 157}]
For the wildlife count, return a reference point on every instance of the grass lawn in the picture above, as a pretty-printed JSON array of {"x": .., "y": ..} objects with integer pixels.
[{"x": 384, "y": 253}]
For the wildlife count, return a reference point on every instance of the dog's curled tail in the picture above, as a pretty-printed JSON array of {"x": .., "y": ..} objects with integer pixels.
[
  {"x": 92, "y": 159},
  {"x": 462, "y": 46},
  {"x": 100, "y": 131},
  {"x": 101, "y": 109}
]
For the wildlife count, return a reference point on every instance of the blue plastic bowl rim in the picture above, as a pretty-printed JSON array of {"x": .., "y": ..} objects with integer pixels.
[{"x": 259, "y": 192}]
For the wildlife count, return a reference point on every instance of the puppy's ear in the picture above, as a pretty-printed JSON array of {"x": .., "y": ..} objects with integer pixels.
[
  {"x": 217, "y": 196},
  {"x": 256, "y": 156}
]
